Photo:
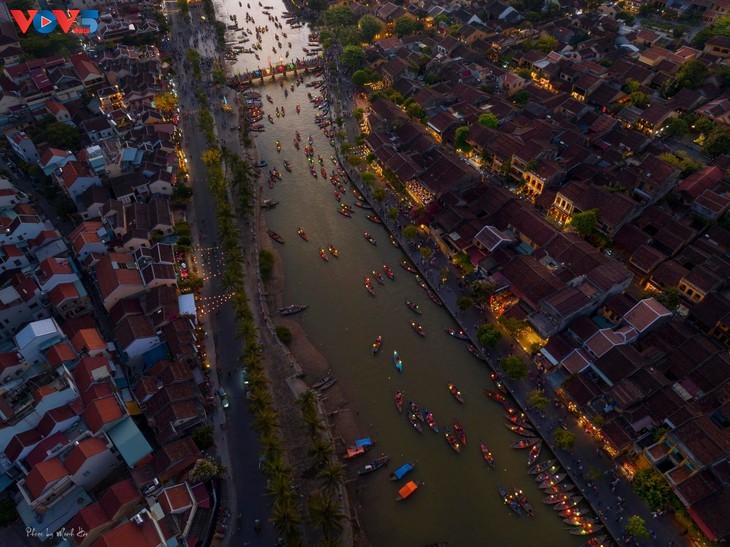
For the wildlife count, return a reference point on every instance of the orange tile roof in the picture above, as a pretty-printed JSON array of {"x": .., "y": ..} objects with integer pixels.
[
  {"x": 44, "y": 474},
  {"x": 62, "y": 292},
  {"x": 129, "y": 533},
  {"x": 102, "y": 411},
  {"x": 40, "y": 393},
  {"x": 118, "y": 495},
  {"x": 175, "y": 499},
  {"x": 82, "y": 452},
  {"x": 89, "y": 370},
  {"x": 89, "y": 339},
  {"x": 89, "y": 518},
  {"x": 110, "y": 278},
  {"x": 61, "y": 352},
  {"x": 52, "y": 266}
]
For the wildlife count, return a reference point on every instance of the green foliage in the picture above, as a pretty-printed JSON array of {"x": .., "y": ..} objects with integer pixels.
[
  {"x": 650, "y": 486},
  {"x": 284, "y": 334},
  {"x": 630, "y": 86},
  {"x": 166, "y": 102},
  {"x": 636, "y": 527},
  {"x": 682, "y": 161},
  {"x": 520, "y": 98},
  {"x": 460, "y": 137},
  {"x": 355, "y": 161},
  {"x": 407, "y": 25},
  {"x": 410, "y": 231},
  {"x": 368, "y": 177},
  {"x": 717, "y": 142},
  {"x": 206, "y": 469},
  {"x": 37, "y": 45},
  {"x": 369, "y": 28},
  {"x": 564, "y": 439},
  {"x": 338, "y": 16},
  {"x": 266, "y": 264},
  {"x": 425, "y": 251},
  {"x": 488, "y": 335},
  {"x": 676, "y": 127},
  {"x": 430, "y": 78},
  {"x": 463, "y": 261},
  {"x": 536, "y": 398},
  {"x": 58, "y": 135},
  {"x": 512, "y": 325},
  {"x": 415, "y": 110},
  {"x": 638, "y": 99},
  {"x": 379, "y": 193},
  {"x": 489, "y": 120},
  {"x": 365, "y": 76},
  {"x": 393, "y": 213},
  {"x": 585, "y": 223},
  {"x": 464, "y": 302},
  {"x": 691, "y": 74},
  {"x": 183, "y": 7},
  {"x": 721, "y": 27},
  {"x": 203, "y": 437},
  {"x": 514, "y": 367},
  {"x": 325, "y": 513}
]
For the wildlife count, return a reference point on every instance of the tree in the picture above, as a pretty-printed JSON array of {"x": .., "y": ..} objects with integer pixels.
[
  {"x": 676, "y": 127},
  {"x": 585, "y": 223},
  {"x": 203, "y": 437},
  {"x": 183, "y": 7},
  {"x": 415, "y": 110},
  {"x": 338, "y": 16},
  {"x": 266, "y": 264},
  {"x": 636, "y": 527},
  {"x": 681, "y": 160},
  {"x": 379, "y": 193},
  {"x": 489, "y": 120},
  {"x": 512, "y": 325},
  {"x": 463, "y": 262},
  {"x": 536, "y": 398},
  {"x": 166, "y": 102},
  {"x": 691, "y": 74},
  {"x": 652, "y": 488},
  {"x": 37, "y": 45},
  {"x": 546, "y": 43},
  {"x": 460, "y": 137},
  {"x": 638, "y": 99},
  {"x": 410, "y": 231},
  {"x": 358, "y": 113},
  {"x": 60, "y": 135},
  {"x": 488, "y": 335},
  {"x": 630, "y": 86},
  {"x": 324, "y": 512},
  {"x": 352, "y": 58},
  {"x": 717, "y": 142},
  {"x": 514, "y": 367},
  {"x": 464, "y": 303},
  {"x": 368, "y": 177},
  {"x": 206, "y": 469},
  {"x": 393, "y": 213},
  {"x": 355, "y": 161},
  {"x": 407, "y": 25},
  {"x": 520, "y": 98},
  {"x": 564, "y": 439},
  {"x": 370, "y": 27},
  {"x": 284, "y": 334},
  {"x": 332, "y": 476},
  {"x": 425, "y": 251}
]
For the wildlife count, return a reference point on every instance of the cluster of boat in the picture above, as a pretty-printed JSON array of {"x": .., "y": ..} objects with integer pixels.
[{"x": 232, "y": 50}]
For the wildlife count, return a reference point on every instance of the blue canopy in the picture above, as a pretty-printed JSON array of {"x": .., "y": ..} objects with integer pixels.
[
  {"x": 363, "y": 442},
  {"x": 402, "y": 471}
]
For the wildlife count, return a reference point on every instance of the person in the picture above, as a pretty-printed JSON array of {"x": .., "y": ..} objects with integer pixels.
[{"x": 257, "y": 525}]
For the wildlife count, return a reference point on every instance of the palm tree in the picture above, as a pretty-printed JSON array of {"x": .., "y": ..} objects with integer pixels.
[
  {"x": 280, "y": 487},
  {"x": 320, "y": 451},
  {"x": 332, "y": 475},
  {"x": 308, "y": 399},
  {"x": 275, "y": 465},
  {"x": 264, "y": 421},
  {"x": 271, "y": 443},
  {"x": 260, "y": 398},
  {"x": 323, "y": 512},
  {"x": 286, "y": 520}
]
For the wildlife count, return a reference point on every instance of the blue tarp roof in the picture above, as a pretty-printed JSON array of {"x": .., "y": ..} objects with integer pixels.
[
  {"x": 158, "y": 353},
  {"x": 364, "y": 442},
  {"x": 402, "y": 471},
  {"x": 130, "y": 442}
]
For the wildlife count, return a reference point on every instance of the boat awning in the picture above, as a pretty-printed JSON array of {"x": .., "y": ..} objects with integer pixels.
[
  {"x": 363, "y": 442},
  {"x": 408, "y": 489},
  {"x": 402, "y": 470}
]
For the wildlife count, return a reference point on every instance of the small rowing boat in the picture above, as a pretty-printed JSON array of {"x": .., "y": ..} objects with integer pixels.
[
  {"x": 407, "y": 490},
  {"x": 418, "y": 328},
  {"x": 509, "y": 500},
  {"x": 374, "y": 465},
  {"x": 475, "y": 352},
  {"x": 534, "y": 453},
  {"x": 287, "y": 166},
  {"x": 456, "y": 393},
  {"x": 398, "y": 399},
  {"x": 414, "y": 421},
  {"x": 495, "y": 396},
  {"x": 453, "y": 441},
  {"x": 376, "y": 345},
  {"x": 373, "y": 218},
  {"x": 587, "y": 530},
  {"x": 553, "y": 480},
  {"x": 276, "y": 237},
  {"x": 525, "y": 443},
  {"x": 542, "y": 467},
  {"x": 345, "y": 212},
  {"x": 407, "y": 267},
  {"x": 397, "y": 361},
  {"x": 388, "y": 271},
  {"x": 402, "y": 471},
  {"x": 413, "y": 306},
  {"x": 303, "y": 234},
  {"x": 378, "y": 277},
  {"x": 333, "y": 251},
  {"x": 487, "y": 455},
  {"x": 394, "y": 241},
  {"x": 434, "y": 298},
  {"x": 278, "y": 145},
  {"x": 430, "y": 420},
  {"x": 519, "y": 419},
  {"x": 457, "y": 334},
  {"x": 520, "y": 430},
  {"x": 459, "y": 432},
  {"x": 292, "y": 309},
  {"x": 369, "y": 287},
  {"x": 370, "y": 239},
  {"x": 522, "y": 500},
  {"x": 323, "y": 255}
]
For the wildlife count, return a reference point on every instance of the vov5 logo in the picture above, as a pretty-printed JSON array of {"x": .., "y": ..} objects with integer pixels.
[{"x": 45, "y": 21}]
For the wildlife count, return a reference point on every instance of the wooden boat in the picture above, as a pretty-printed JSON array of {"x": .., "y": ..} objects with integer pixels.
[
  {"x": 269, "y": 204},
  {"x": 600, "y": 541},
  {"x": 303, "y": 234},
  {"x": 552, "y": 481},
  {"x": 402, "y": 471},
  {"x": 360, "y": 447},
  {"x": 522, "y": 500},
  {"x": 413, "y": 306},
  {"x": 574, "y": 512},
  {"x": 397, "y": 361},
  {"x": 276, "y": 237},
  {"x": 421, "y": 283},
  {"x": 370, "y": 239},
  {"x": 495, "y": 396},
  {"x": 373, "y": 218},
  {"x": 475, "y": 352},
  {"x": 554, "y": 499},
  {"x": 459, "y": 432},
  {"x": 415, "y": 422},
  {"x": 518, "y": 419},
  {"x": 376, "y": 344},
  {"x": 418, "y": 328},
  {"x": 520, "y": 430},
  {"x": 434, "y": 298},
  {"x": 407, "y": 267},
  {"x": 271, "y": 120},
  {"x": 296, "y": 145},
  {"x": 453, "y": 441},
  {"x": 542, "y": 467},
  {"x": 369, "y": 287},
  {"x": 509, "y": 500},
  {"x": 378, "y": 277},
  {"x": 323, "y": 172},
  {"x": 407, "y": 490},
  {"x": 292, "y": 309},
  {"x": 571, "y": 501},
  {"x": 276, "y": 174},
  {"x": 498, "y": 383},
  {"x": 430, "y": 420},
  {"x": 562, "y": 488},
  {"x": 345, "y": 212},
  {"x": 534, "y": 453},
  {"x": 388, "y": 271},
  {"x": 586, "y": 531},
  {"x": 398, "y": 399},
  {"x": 525, "y": 443},
  {"x": 487, "y": 455},
  {"x": 278, "y": 145},
  {"x": 362, "y": 205},
  {"x": 579, "y": 520},
  {"x": 394, "y": 241},
  {"x": 456, "y": 393},
  {"x": 298, "y": 135},
  {"x": 299, "y": 109},
  {"x": 457, "y": 334},
  {"x": 333, "y": 251},
  {"x": 287, "y": 166},
  {"x": 323, "y": 255},
  {"x": 374, "y": 465}
]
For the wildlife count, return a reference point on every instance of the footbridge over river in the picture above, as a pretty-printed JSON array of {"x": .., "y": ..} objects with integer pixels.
[{"x": 272, "y": 72}]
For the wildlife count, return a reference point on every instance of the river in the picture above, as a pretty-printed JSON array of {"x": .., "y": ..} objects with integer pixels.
[{"x": 458, "y": 501}]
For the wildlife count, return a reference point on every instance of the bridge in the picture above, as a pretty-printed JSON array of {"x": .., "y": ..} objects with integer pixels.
[{"x": 259, "y": 75}]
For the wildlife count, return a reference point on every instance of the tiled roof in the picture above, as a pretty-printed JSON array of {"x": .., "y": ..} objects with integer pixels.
[
  {"x": 175, "y": 499},
  {"x": 645, "y": 314},
  {"x": 44, "y": 474},
  {"x": 101, "y": 412},
  {"x": 82, "y": 452},
  {"x": 89, "y": 518},
  {"x": 40, "y": 451},
  {"x": 118, "y": 495},
  {"x": 53, "y": 417}
]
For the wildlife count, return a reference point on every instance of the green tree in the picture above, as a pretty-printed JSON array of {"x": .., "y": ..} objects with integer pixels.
[
  {"x": 717, "y": 142},
  {"x": 488, "y": 335},
  {"x": 368, "y": 177},
  {"x": 425, "y": 251},
  {"x": 407, "y": 25},
  {"x": 489, "y": 120},
  {"x": 652, "y": 488},
  {"x": 410, "y": 231},
  {"x": 681, "y": 160},
  {"x": 512, "y": 325},
  {"x": 355, "y": 161},
  {"x": 369, "y": 28},
  {"x": 636, "y": 527},
  {"x": 203, "y": 437},
  {"x": 460, "y": 137},
  {"x": 332, "y": 476},
  {"x": 352, "y": 57},
  {"x": 166, "y": 102},
  {"x": 37, "y": 45},
  {"x": 393, "y": 213},
  {"x": 338, "y": 16},
  {"x": 284, "y": 334},
  {"x": 514, "y": 367},
  {"x": 266, "y": 264},
  {"x": 564, "y": 439},
  {"x": 464, "y": 303},
  {"x": 691, "y": 74},
  {"x": 415, "y": 110},
  {"x": 324, "y": 512},
  {"x": 206, "y": 469},
  {"x": 358, "y": 113},
  {"x": 546, "y": 43},
  {"x": 676, "y": 127},
  {"x": 463, "y": 262},
  {"x": 536, "y": 398},
  {"x": 638, "y": 99},
  {"x": 183, "y": 7},
  {"x": 520, "y": 98},
  {"x": 585, "y": 223},
  {"x": 60, "y": 135},
  {"x": 379, "y": 193},
  {"x": 630, "y": 86}
]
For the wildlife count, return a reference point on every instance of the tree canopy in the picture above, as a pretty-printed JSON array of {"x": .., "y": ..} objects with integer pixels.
[
  {"x": 489, "y": 120},
  {"x": 407, "y": 25},
  {"x": 460, "y": 137},
  {"x": 353, "y": 57},
  {"x": 60, "y": 135},
  {"x": 585, "y": 223},
  {"x": 166, "y": 102},
  {"x": 636, "y": 527},
  {"x": 564, "y": 439},
  {"x": 514, "y": 367},
  {"x": 369, "y": 28},
  {"x": 44, "y": 45},
  {"x": 652, "y": 488},
  {"x": 364, "y": 76},
  {"x": 488, "y": 335},
  {"x": 717, "y": 142}
]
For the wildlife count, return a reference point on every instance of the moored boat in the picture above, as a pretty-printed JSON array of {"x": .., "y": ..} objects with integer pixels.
[
  {"x": 397, "y": 361},
  {"x": 509, "y": 500},
  {"x": 518, "y": 419},
  {"x": 407, "y": 267},
  {"x": 600, "y": 541},
  {"x": 460, "y": 334},
  {"x": 323, "y": 255},
  {"x": 534, "y": 453},
  {"x": 374, "y": 465},
  {"x": 376, "y": 344},
  {"x": 553, "y": 480},
  {"x": 495, "y": 396},
  {"x": 333, "y": 251},
  {"x": 414, "y": 421},
  {"x": 587, "y": 530},
  {"x": 344, "y": 212},
  {"x": 278, "y": 144},
  {"x": 287, "y": 166},
  {"x": 375, "y": 219},
  {"x": 402, "y": 471},
  {"x": 408, "y": 489},
  {"x": 430, "y": 420},
  {"x": 370, "y": 239},
  {"x": 541, "y": 467},
  {"x": 378, "y": 277},
  {"x": 520, "y": 430},
  {"x": 276, "y": 237},
  {"x": 456, "y": 393},
  {"x": 303, "y": 234},
  {"x": 522, "y": 500},
  {"x": 369, "y": 287},
  {"x": 292, "y": 309},
  {"x": 398, "y": 399},
  {"x": 453, "y": 441},
  {"x": 413, "y": 306},
  {"x": 475, "y": 352},
  {"x": 418, "y": 328},
  {"x": 487, "y": 455},
  {"x": 525, "y": 443},
  {"x": 562, "y": 488},
  {"x": 434, "y": 298},
  {"x": 360, "y": 447},
  {"x": 459, "y": 432},
  {"x": 388, "y": 271},
  {"x": 394, "y": 241}
]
